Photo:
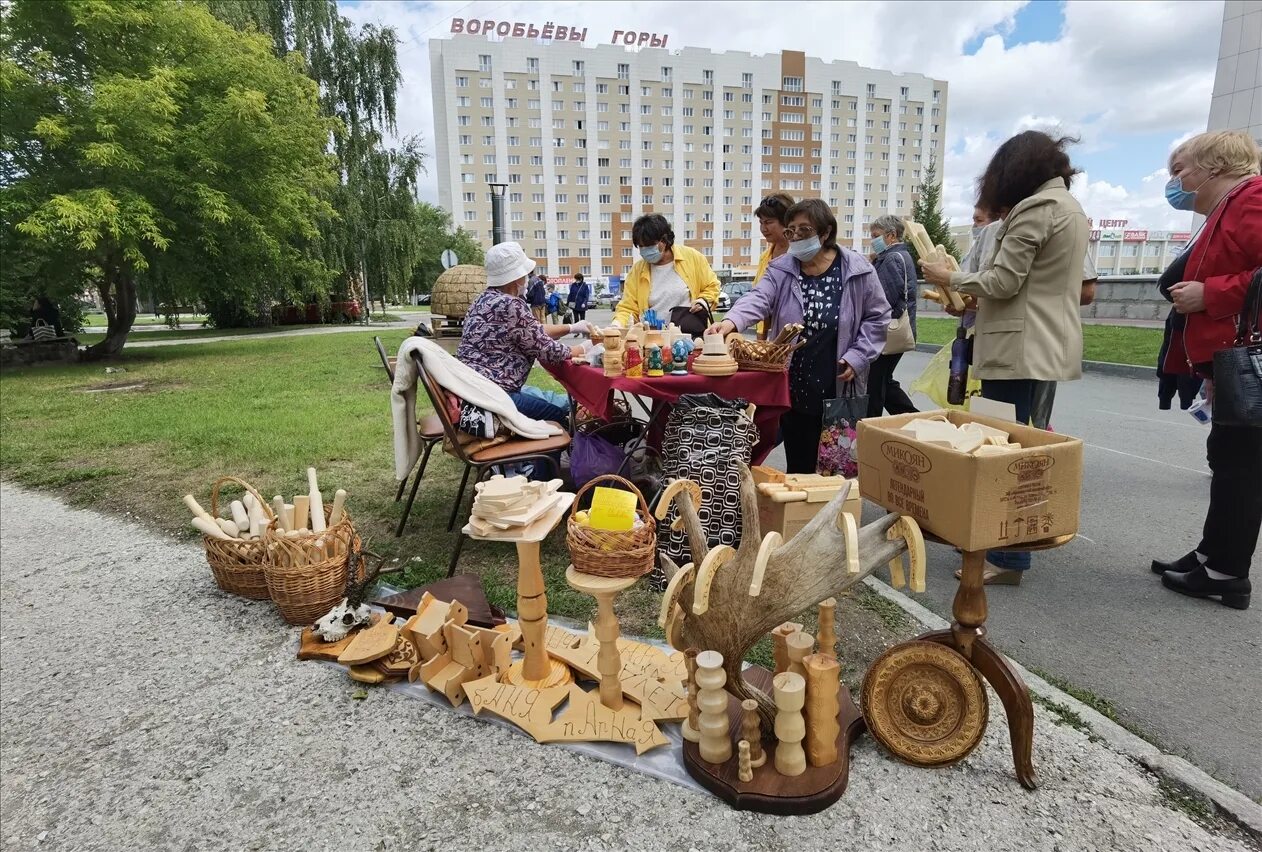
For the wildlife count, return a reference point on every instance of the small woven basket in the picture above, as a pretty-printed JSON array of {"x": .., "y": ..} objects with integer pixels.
[
  {"x": 609, "y": 553},
  {"x": 762, "y": 355},
  {"x": 305, "y": 580},
  {"x": 238, "y": 565}
]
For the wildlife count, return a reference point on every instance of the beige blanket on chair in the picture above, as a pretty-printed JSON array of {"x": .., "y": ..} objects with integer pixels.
[{"x": 461, "y": 380}]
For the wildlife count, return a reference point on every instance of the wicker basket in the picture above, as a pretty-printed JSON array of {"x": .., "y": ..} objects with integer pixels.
[
  {"x": 607, "y": 553},
  {"x": 238, "y": 565},
  {"x": 305, "y": 583},
  {"x": 763, "y": 355}
]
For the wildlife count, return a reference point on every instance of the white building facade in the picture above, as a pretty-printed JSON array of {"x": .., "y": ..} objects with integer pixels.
[
  {"x": 589, "y": 138},
  {"x": 1237, "y": 100}
]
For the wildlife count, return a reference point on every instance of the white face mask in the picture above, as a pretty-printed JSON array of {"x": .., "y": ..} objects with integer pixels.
[{"x": 805, "y": 249}]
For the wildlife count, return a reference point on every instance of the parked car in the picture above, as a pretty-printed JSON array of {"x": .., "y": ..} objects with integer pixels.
[{"x": 725, "y": 301}]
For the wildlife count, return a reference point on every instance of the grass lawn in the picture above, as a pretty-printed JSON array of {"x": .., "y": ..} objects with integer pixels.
[
  {"x": 186, "y": 320},
  {"x": 1113, "y": 343},
  {"x": 265, "y": 410}
]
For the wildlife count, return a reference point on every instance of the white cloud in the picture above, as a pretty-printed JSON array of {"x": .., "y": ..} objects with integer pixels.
[{"x": 1116, "y": 68}]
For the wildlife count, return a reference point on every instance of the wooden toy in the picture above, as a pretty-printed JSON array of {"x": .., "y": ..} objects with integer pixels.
[
  {"x": 790, "y": 696},
  {"x": 230, "y": 529},
  {"x": 715, "y": 359},
  {"x": 278, "y": 509},
  {"x": 604, "y": 590},
  {"x": 689, "y": 727},
  {"x": 210, "y": 528},
  {"x": 925, "y": 249},
  {"x": 780, "y": 643},
  {"x": 746, "y": 769},
  {"x": 799, "y": 645},
  {"x": 239, "y": 515},
  {"x": 370, "y": 644},
  {"x": 769, "y": 791},
  {"x": 196, "y": 508},
  {"x": 751, "y": 730},
  {"x": 339, "y": 506},
  {"x": 823, "y": 674},
  {"x": 715, "y": 745},
  {"x": 827, "y": 636}
]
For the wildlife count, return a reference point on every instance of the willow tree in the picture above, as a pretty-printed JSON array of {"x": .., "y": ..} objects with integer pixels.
[
  {"x": 358, "y": 74},
  {"x": 149, "y": 142}
]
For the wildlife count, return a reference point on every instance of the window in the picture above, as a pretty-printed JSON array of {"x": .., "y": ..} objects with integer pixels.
[
  {"x": 791, "y": 152},
  {"x": 462, "y": 101},
  {"x": 463, "y": 121},
  {"x": 488, "y": 121},
  {"x": 707, "y": 77},
  {"x": 486, "y": 103},
  {"x": 1108, "y": 249},
  {"x": 532, "y": 65},
  {"x": 624, "y": 71},
  {"x": 1130, "y": 250},
  {"x": 747, "y": 80},
  {"x": 792, "y": 84},
  {"x": 792, "y": 100},
  {"x": 484, "y": 62},
  {"x": 487, "y": 159}
]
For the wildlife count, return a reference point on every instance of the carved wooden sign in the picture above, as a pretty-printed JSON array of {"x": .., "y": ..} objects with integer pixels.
[
  {"x": 650, "y": 677},
  {"x": 584, "y": 719}
]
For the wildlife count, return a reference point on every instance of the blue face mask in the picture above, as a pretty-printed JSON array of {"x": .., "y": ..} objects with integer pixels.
[
  {"x": 805, "y": 249},
  {"x": 1180, "y": 198},
  {"x": 651, "y": 254},
  {"x": 878, "y": 245}
]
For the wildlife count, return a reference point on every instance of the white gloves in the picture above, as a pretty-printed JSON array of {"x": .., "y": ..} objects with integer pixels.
[{"x": 582, "y": 327}]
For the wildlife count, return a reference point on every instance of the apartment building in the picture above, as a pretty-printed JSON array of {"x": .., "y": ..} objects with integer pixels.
[
  {"x": 586, "y": 139},
  {"x": 1237, "y": 98},
  {"x": 1116, "y": 247}
]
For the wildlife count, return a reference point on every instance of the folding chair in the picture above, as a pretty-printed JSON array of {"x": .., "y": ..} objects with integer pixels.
[
  {"x": 430, "y": 429},
  {"x": 515, "y": 451}
]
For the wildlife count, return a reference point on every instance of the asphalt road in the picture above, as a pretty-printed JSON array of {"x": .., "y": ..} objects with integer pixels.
[{"x": 1184, "y": 673}]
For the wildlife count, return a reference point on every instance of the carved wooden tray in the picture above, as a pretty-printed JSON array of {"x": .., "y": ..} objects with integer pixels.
[{"x": 770, "y": 792}]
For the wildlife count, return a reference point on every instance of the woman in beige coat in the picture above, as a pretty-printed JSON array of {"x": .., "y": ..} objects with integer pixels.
[{"x": 1029, "y": 329}]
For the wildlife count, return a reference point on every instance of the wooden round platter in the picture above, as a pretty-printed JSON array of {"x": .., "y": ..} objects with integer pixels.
[{"x": 770, "y": 792}]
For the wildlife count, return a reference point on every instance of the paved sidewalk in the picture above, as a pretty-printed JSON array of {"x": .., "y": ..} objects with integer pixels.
[
  {"x": 408, "y": 321},
  {"x": 144, "y": 709}
]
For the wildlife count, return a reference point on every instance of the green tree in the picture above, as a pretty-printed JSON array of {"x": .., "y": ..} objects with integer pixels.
[
  {"x": 433, "y": 228},
  {"x": 927, "y": 210},
  {"x": 372, "y": 242},
  {"x": 151, "y": 144}
]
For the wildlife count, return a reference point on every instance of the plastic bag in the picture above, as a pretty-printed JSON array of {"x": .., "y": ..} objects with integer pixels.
[
  {"x": 933, "y": 381},
  {"x": 592, "y": 456}
]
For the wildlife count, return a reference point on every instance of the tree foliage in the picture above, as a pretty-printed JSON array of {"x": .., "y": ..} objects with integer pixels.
[
  {"x": 358, "y": 74},
  {"x": 927, "y": 210},
  {"x": 149, "y": 144},
  {"x": 433, "y": 225}
]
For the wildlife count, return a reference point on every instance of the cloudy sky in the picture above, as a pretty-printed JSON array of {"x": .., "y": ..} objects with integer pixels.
[{"x": 1130, "y": 78}]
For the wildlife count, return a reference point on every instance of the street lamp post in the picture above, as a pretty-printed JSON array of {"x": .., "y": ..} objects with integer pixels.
[{"x": 497, "y": 212}]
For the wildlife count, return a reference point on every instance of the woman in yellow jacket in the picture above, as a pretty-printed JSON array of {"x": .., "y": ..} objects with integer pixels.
[{"x": 666, "y": 277}]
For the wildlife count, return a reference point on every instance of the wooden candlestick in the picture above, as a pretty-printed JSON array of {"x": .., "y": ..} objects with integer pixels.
[
  {"x": 823, "y": 677},
  {"x": 800, "y": 645},
  {"x": 745, "y": 770},
  {"x": 608, "y": 660},
  {"x": 827, "y": 635},
  {"x": 751, "y": 730},
  {"x": 779, "y": 637},
  {"x": 689, "y": 726},
  {"x": 715, "y": 745},
  {"x": 536, "y": 669},
  {"x": 790, "y": 696}
]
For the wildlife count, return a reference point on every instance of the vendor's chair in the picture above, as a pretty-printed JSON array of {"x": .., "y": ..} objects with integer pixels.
[
  {"x": 430, "y": 430},
  {"x": 515, "y": 451}
]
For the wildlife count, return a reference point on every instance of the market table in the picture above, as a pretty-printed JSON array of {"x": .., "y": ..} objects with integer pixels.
[{"x": 769, "y": 393}]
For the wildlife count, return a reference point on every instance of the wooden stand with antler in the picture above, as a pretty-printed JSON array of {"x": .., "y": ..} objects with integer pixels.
[{"x": 737, "y": 596}]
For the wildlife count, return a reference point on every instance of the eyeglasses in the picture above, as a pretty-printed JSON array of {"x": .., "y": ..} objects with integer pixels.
[{"x": 801, "y": 232}]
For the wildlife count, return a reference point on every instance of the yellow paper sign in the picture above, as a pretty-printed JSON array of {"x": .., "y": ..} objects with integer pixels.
[{"x": 612, "y": 509}]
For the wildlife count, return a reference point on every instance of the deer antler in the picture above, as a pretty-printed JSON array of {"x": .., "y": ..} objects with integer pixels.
[{"x": 793, "y": 576}]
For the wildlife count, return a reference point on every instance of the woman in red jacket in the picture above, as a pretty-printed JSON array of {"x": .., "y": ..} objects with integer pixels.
[{"x": 1216, "y": 174}]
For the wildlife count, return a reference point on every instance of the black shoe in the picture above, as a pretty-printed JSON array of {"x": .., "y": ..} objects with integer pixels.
[
  {"x": 1181, "y": 565},
  {"x": 1234, "y": 593}
]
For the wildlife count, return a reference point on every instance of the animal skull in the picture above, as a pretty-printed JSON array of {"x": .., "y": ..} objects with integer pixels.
[{"x": 341, "y": 620}]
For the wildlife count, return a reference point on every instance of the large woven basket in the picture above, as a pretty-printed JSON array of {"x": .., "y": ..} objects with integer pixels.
[
  {"x": 762, "y": 355},
  {"x": 238, "y": 565},
  {"x": 609, "y": 553},
  {"x": 306, "y": 581}
]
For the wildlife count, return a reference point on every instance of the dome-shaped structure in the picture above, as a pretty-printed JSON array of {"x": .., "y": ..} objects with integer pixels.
[{"x": 456, "y": 290}]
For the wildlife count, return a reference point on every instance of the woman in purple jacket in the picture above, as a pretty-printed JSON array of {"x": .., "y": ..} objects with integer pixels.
[{"x": 835, "y": 293}]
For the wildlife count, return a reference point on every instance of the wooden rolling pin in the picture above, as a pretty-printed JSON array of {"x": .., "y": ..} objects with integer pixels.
[
  {"x": 197, "y": 510},
  {"x": 240, "y": 516},
  {"x": 317, "y": 501},
  {"x": 339, "y": 505},
  {"x": 278, "y": 509},
  {"x": 210, "y": 528}
]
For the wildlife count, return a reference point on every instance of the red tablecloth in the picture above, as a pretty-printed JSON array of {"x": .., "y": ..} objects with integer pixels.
[{"x": 593, "y": 390}]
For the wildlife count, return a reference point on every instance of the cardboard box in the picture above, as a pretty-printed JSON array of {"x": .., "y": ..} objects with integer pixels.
[
  {"x": 787, "y": 518},
  {"x": 974, "y": 502}
]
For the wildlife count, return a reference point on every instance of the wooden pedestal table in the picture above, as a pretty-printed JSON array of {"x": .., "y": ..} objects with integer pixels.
[
  {"x": 536, "y": 669},
  {"x": 769, "y": 791},
  {"x": 608, "y": 660},
  {"x": 924, "y": 700}
]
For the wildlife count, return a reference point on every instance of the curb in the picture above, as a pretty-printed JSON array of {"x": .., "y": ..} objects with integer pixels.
[
  {"x": 1104, "y": 368},
  {"x": 1230, "y": 804}
]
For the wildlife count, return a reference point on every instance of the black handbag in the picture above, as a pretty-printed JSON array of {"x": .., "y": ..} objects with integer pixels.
[
  {"x": 692, "y": 324},
  {"x": 1238, "y": 370},
  {"x": 838, "y": 453}
]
